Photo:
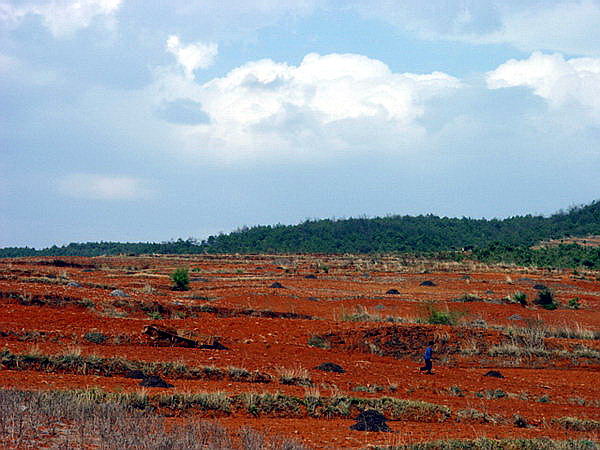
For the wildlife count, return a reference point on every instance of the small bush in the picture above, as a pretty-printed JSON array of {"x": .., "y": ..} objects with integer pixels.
[
  {"x": 574, "y": 303},
  {"x": 318, "y": 341},
  {"x": 520, "y": 297},
  {"x": 181, "y": 279},
  {"x": 546, "y": 300}
]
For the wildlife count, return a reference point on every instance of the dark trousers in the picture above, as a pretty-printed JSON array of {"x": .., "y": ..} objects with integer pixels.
[{"x": 427, "y": 367}]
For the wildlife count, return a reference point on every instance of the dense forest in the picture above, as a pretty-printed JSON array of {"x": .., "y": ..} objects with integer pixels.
[{"x": 487, "y": 240}]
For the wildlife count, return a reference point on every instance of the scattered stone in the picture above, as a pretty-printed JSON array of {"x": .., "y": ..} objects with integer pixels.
[
  {"x": 515, "y": 317},
  {"x": 540, "y": 287},
  {"x": 370, "y": 420},
  {"x": 310, "y": 277},
  {"x": 73, "y": 284},
  {"x": 118, "y": 293},
  {"x": 277, "y": 285},
  {"x": 493, "y": 373},
  {"x": 330, "y": 367},
  {"x": 155, "y": 381},
  {"x": 393, "y": 291},
  {"x": 428, "y": 283},
  {"x": 137, "y": 374}
]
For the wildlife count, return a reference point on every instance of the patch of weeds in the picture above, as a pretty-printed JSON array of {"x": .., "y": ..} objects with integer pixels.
[
  {"x": 294, "y": 376},
  {"x": 155, "y": 315},
  {"x": 95, "y": 337},
  {"x": 544, "y": 399},
  {"x": 574, "y": 303},
  {"x": 520, "y": 298},
  {"x": 370, "y": 388},
  {"x": 576, "y": 424},
  {"x": 456, "y": 391},
  {"x": 495, "y": 393},
  {"x": 318, "y": 341},
  {"x": 438, "y": 317}
]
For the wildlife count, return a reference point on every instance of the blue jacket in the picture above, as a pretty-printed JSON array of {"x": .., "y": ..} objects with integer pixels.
[{"x": 428, "y": 353}]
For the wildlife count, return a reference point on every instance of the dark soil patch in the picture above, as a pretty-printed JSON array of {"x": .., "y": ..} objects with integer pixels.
[
  {"x": 330, "y": 367},
  {"x": 155, "y": 381},
  {"x": 370, "y": 420},
  {"x": 493, "y": 373}
]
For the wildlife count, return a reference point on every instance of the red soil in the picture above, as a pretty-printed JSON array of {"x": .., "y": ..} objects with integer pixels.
[{"x": 39, "y": 311}]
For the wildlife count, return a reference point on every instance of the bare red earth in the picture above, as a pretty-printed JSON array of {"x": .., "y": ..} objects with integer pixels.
[{"x": 267, "y": 329}]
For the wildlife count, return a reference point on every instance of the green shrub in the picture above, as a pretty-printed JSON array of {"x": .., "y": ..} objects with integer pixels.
[
  {"x": 520, "y": 297},
  {"x": 181, "y": 279},
  {"x": 545, "y": 299},
  {"x": 574, "y": 303}
]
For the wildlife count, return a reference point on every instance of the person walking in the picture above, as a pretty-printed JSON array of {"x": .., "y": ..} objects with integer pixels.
[{"x": 427, "y": 367}]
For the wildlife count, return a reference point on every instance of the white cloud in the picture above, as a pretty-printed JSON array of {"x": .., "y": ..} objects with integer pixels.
[
  {"x": 102, "y": 187},
  {"x": 61, "y": 17},
  {"x": 566, "y": 84},
  {"x": 328, "y": 103},
  {"x": 568, "y": 26},
  {"x": 192, "y": 56}
]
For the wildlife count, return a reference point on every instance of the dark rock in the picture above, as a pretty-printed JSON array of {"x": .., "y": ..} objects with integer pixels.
[
  {"x": 310, "y": 277},
  {"x": 137, "y": 374},
  {"x": 155, "y": 381},
  {"x": 313, "y": 299},
  {"x": 515, "y": 317},
  {"x": 520, "y": 422},
  {"x": 428, "y": 283},
  {"x": 73, "y": 284},
  {"x": 540, "y": 287},
  {"x": 277, "y": 285},
  {"x": 493, "y": 373},
  {"x": 392, "y": 291},
  {"x": 489, "y": 292},
  {"x": 118, "y": 293},
  {"x": 330, "y": 367},
  {"x": 370, "y": 420}
]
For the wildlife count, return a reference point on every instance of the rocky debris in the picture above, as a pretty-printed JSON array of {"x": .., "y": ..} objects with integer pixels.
[
  {"x": 73, "y": 284},
  {"x": 493, "y": 373},
  {"x": 169, "y": 336},
  {"x": 427, "y": 283},
  {"x": 515, "y": 317},
  {"x": 370, "y": 420},
  {"x": 330, "y": 367},
  {"x": 277, "y": 285},
  {"x": 392, "y": 291},
  {"x": 310, "y": 277},
  {"x": 479, "y": 323},
  {"x": 137, "y": 374},
  {"x": 119, "y": 293},
  {"x": 155, "y": 381}
]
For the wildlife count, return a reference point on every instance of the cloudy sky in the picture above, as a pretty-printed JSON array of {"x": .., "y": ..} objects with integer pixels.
[{"x": 132, "y": 120}]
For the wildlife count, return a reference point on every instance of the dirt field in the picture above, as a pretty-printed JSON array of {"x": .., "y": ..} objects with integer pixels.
[{"x": 63, "y": 327}]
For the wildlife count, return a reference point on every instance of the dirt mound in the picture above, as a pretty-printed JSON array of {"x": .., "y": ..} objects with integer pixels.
[
  {"x": 330, "y": 367},
  {"x": 493, "y": 373},
  {"x": 155, "y": 381},
  {"x": 370, "y": 420}
]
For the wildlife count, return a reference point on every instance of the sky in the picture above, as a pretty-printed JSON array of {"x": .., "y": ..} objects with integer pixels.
[{"x": 129, "y": 120}]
